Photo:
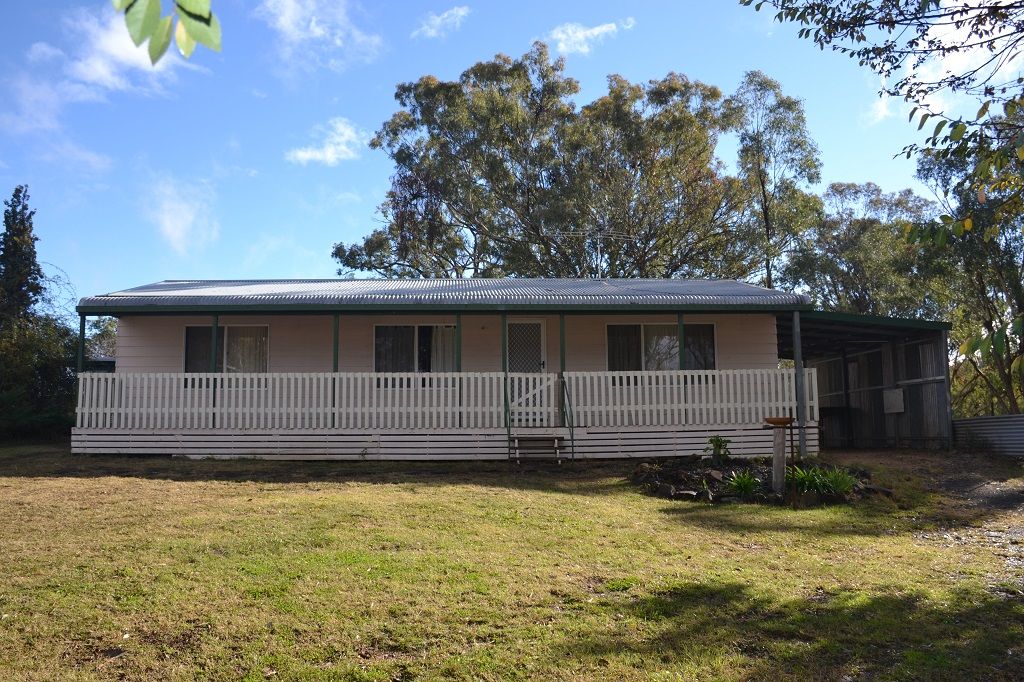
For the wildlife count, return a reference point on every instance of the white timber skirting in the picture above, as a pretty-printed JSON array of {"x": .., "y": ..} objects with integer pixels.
[{"x": 397, "y": 444}]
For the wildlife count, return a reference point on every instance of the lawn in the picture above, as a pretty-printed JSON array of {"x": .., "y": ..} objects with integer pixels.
[{"x": 146, "y": 568}]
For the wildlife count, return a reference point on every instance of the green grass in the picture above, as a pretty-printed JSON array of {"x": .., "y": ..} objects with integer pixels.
[{"x": 152, "y": 568}]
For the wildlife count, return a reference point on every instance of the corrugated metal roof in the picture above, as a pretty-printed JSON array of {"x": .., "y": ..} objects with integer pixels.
[{"x": 435, "y": 293}]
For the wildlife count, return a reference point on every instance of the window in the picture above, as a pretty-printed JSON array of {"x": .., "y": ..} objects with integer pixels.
[
  {"x": 239, "y": 349},
  {"x": 412, "y": 348},
  {"x": 635, "y": 347}
]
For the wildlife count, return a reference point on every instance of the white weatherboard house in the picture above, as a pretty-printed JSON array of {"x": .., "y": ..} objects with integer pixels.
[{"x": 445, "y": 369}]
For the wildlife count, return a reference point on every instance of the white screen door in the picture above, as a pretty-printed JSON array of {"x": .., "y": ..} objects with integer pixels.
[{"x": 526, "y": 346}]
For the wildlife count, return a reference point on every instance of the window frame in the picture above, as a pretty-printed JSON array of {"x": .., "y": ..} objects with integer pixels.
[
  {"x": 643, "y": 343},
  {"x": 415, "y": 344},
  {"x": 222, "y": 346}
]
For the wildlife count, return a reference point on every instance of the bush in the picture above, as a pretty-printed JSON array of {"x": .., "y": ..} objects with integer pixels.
[
  {"x": 828, "y": 483},
  {"x": 743, "y": 484}
]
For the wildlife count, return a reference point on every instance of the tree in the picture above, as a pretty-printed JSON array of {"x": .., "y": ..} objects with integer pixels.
[
  {"x": 899, "y": 38},
  {"x": 103, "y": 337},
  {"x": 989, "y": 288},
  {"x": 857, "y": 260},
  {"x": 190, "y": 22},
  {"x": 36, "y": 347},
  {"x": 21, "y": 278},
  {"x": 500, "y": 173},
  {"x": 777, "y": 158}
]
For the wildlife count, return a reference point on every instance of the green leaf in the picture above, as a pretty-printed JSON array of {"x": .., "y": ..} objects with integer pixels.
[
  {"x": 1017, "y": 326},
  {"x": 142, "y": 19},
  {"x": 912, "y": 112},
  {"x": 946, "y": 219},
  {"x": 120, "y": 5},
  {"x": 958, "y": 132},
  {"x": 160, "y": 39},
  {"x": 200, "y": 8},
  {"x": 999, "y": 341},
  {"x": 938, "y": 128},
  {"x": 1020, "y": 153},
  {"x": 924, "y": 119},
  {"x": 1017, "y": 366},
  {"x": 983, "y": 110},
  {"x": 203, "y": 32},
  {"x": 184, "y": 41}
]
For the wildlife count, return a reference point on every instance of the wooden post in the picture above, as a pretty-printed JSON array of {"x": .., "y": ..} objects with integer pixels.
[
  {"x": 801, "y": 391},
  {"x": 679, "y": 333},
  {"x": 213, "y": 343},
  {"x": 561, "y": 368},
  {"x": 779, "y": 460},
  {"x": 947, "y": 395},
  {"x": 80, "y": 361},
  {"x": 336, "y": 338},
  {"x": 458, "y": 342},
  {"x": 847, "y": 417},
  {"x": 504, "y": 369}
]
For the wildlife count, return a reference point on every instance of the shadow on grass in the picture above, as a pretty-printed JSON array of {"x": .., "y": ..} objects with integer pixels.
[
  {"x": 580, "y": 477},
  {"x": 827, "y": 636}
]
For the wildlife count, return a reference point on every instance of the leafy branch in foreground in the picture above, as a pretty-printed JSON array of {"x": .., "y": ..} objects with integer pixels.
[
  {"x": 900, "y": 40},
  {"x": 196, "y": 23}
]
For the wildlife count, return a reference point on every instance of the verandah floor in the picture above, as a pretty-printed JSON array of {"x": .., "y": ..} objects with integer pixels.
[{"x": 141, "y": 567}]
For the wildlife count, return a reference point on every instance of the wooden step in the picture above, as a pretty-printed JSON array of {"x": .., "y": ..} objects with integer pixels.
[{"x": 535, "y": 446}]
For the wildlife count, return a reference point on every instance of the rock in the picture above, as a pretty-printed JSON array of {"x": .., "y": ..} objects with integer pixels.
[
  {"x": 666, "y": 490},
  {"x": 717, "y": 475},
  {"x": 686, "y": 494}
]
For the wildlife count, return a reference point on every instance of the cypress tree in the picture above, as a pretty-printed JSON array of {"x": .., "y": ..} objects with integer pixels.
[{"x": 21, "y": 278}]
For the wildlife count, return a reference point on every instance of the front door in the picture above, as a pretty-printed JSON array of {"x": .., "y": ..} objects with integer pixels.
[{"x": 526, "y": 346}]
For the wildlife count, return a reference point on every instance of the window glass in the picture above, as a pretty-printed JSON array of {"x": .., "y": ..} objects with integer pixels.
[
  {"x": 652, "y": 347},
  {"x": 197, "y": 349},
  {"x": 405, "y": 348},
  {"x": 661, "y": 347},
  {"x": 246, "y": 349},
  {"x": 624, "y": 348},
  {"x": 441, "y": 350},
  {"x": 699, "y": 342},
  {"x": 393, "y": 348}
]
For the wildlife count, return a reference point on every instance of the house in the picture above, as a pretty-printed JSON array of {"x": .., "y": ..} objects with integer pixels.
[{"x": 454, "y": 369}]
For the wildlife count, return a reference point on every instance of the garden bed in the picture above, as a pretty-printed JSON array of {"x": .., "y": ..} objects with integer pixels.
[{"x": 808, "y": 483}]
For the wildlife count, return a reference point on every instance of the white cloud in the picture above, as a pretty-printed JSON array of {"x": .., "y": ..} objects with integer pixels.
[
  {"x": 103, "y": 60},
  {"x": 64, "y": 152},
  {"x": 440, "y": 25},
  {"x": 573, "y": 38},
  {"x": 183, "y": 213},
  {"x": 317, "y": 33},
  {"x": 43, "y": 52},
  {"x": 340, "y": 141},
  {"x": 110, "y": 61}
]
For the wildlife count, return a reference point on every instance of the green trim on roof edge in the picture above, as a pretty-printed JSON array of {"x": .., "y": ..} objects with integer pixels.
[
  {"x": 427, "y": 308},
  {"x": 831, "y": 316}
]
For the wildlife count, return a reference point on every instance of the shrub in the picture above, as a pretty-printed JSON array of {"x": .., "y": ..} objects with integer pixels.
[
  {"x": 837, "y": 483},
  {"x": 718, "y": 448},
  {"x": 743, "y": 484},
  {"x": 828, "y": 483}
]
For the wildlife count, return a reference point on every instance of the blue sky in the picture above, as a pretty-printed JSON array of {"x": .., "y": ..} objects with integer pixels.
[{"x": 251, "y": 163}]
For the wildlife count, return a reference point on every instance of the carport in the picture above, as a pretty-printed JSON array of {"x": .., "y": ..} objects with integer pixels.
[{"x": 882, "y": 381}]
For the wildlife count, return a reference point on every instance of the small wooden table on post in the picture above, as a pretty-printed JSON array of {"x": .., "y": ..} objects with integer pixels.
[{"x": 778, "y": 425}]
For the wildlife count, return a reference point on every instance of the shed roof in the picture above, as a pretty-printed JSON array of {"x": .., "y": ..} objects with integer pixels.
[{"x": 440, "y": 294}]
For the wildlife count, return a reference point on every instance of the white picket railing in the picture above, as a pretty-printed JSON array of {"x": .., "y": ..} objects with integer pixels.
[
  {"x": 705, "y": 398},
  {"x": 440, "y": 400}
]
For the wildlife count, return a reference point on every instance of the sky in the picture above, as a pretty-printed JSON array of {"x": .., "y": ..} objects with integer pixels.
[{"x": 253, "y": 162}]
